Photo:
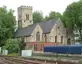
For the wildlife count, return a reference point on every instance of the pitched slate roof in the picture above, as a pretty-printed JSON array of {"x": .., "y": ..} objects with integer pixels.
[
  {"x": 25, "y": 31},
  {"x": 45, "y": 25}
]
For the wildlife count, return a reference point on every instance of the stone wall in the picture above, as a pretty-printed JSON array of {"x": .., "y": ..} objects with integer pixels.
[
  {"x": 32, "y": 38},
  {"x": 22, "y": 12},
  {"x": 58, "y": 30}
]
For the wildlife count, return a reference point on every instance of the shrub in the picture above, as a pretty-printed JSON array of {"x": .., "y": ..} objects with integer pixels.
[{"x": 12, "y": 45}]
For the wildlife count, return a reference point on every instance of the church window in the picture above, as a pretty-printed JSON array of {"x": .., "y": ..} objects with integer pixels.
[
  {"x": 38, "y": 36},
  {"x": 68, "y": 41},
  {"x": 61, "y": 39},
  {"x": 45, "y": 38},
  {"x": 58, "y": 27},
  {"x": 27, "y": 16},
  {"x": 30, "y": 21},
  {"x": 24, "y": 20},
  {"x": 55, "y": 39}
]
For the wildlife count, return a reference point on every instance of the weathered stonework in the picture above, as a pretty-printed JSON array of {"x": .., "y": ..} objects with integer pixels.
[
  {"x": 25, "y": 19},
  {"x": 32, "y": 38},
  {"x": 23, "y": 12}
]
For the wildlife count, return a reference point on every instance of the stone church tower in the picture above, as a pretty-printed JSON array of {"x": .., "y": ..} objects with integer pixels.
[{"x": 24, "y": 16}]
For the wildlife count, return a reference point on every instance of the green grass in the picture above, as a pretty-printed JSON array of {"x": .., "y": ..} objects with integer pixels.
[
  {"x": 80, "y": 61},
  {"x": 13, "y": 54}
]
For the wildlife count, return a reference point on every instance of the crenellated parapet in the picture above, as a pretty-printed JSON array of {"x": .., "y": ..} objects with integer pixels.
[{"x": 23, "y": 6}]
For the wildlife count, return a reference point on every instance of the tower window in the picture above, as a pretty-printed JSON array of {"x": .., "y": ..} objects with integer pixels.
[{"x": 27, "y": 16}]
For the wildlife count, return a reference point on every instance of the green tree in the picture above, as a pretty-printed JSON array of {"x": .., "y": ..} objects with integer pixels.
[
  {"x": 14, "y": 45},
  {"x": 53, "y": 15},
  {"x": 21, "y": 45},
  {"x": 7, "y": 24},
  {"x": 37, "y": 16},
  {"x": 73, "y": 16}
]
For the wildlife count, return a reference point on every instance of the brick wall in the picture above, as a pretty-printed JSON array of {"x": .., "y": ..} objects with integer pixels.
[{"x": 39, "y": 46}]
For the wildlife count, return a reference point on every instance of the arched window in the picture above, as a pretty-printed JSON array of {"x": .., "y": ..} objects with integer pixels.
[
  {"x": 45, "y": 38},
  {"x": 68, "y": 41},
  {"x": 55, "y": 39},
  {"x": 38, "y": 36},
  {"x": 61, "y": 39},
  {"x": 27, "y": 16}
]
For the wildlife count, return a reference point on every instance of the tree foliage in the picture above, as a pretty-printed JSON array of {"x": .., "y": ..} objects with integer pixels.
[
  {"x": 72, "y": 16},
  {"x": 53, "y": 15},
  {"x": 37, "y": 16},
  {"x": 14, "y": 45},
  {"x": 7, "y": 24}
]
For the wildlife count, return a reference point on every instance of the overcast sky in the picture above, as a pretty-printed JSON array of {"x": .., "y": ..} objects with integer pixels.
[{"x": 41, "y": 5}]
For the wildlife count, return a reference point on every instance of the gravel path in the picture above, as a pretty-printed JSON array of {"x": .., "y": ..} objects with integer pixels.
[{"x": 19, "y": 60}]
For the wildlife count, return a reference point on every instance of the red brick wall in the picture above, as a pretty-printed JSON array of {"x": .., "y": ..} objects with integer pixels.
[{"x": 38, "y": 46}]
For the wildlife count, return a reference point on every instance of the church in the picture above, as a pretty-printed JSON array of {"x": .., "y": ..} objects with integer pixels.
[{"x": 38, "y": 35}]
